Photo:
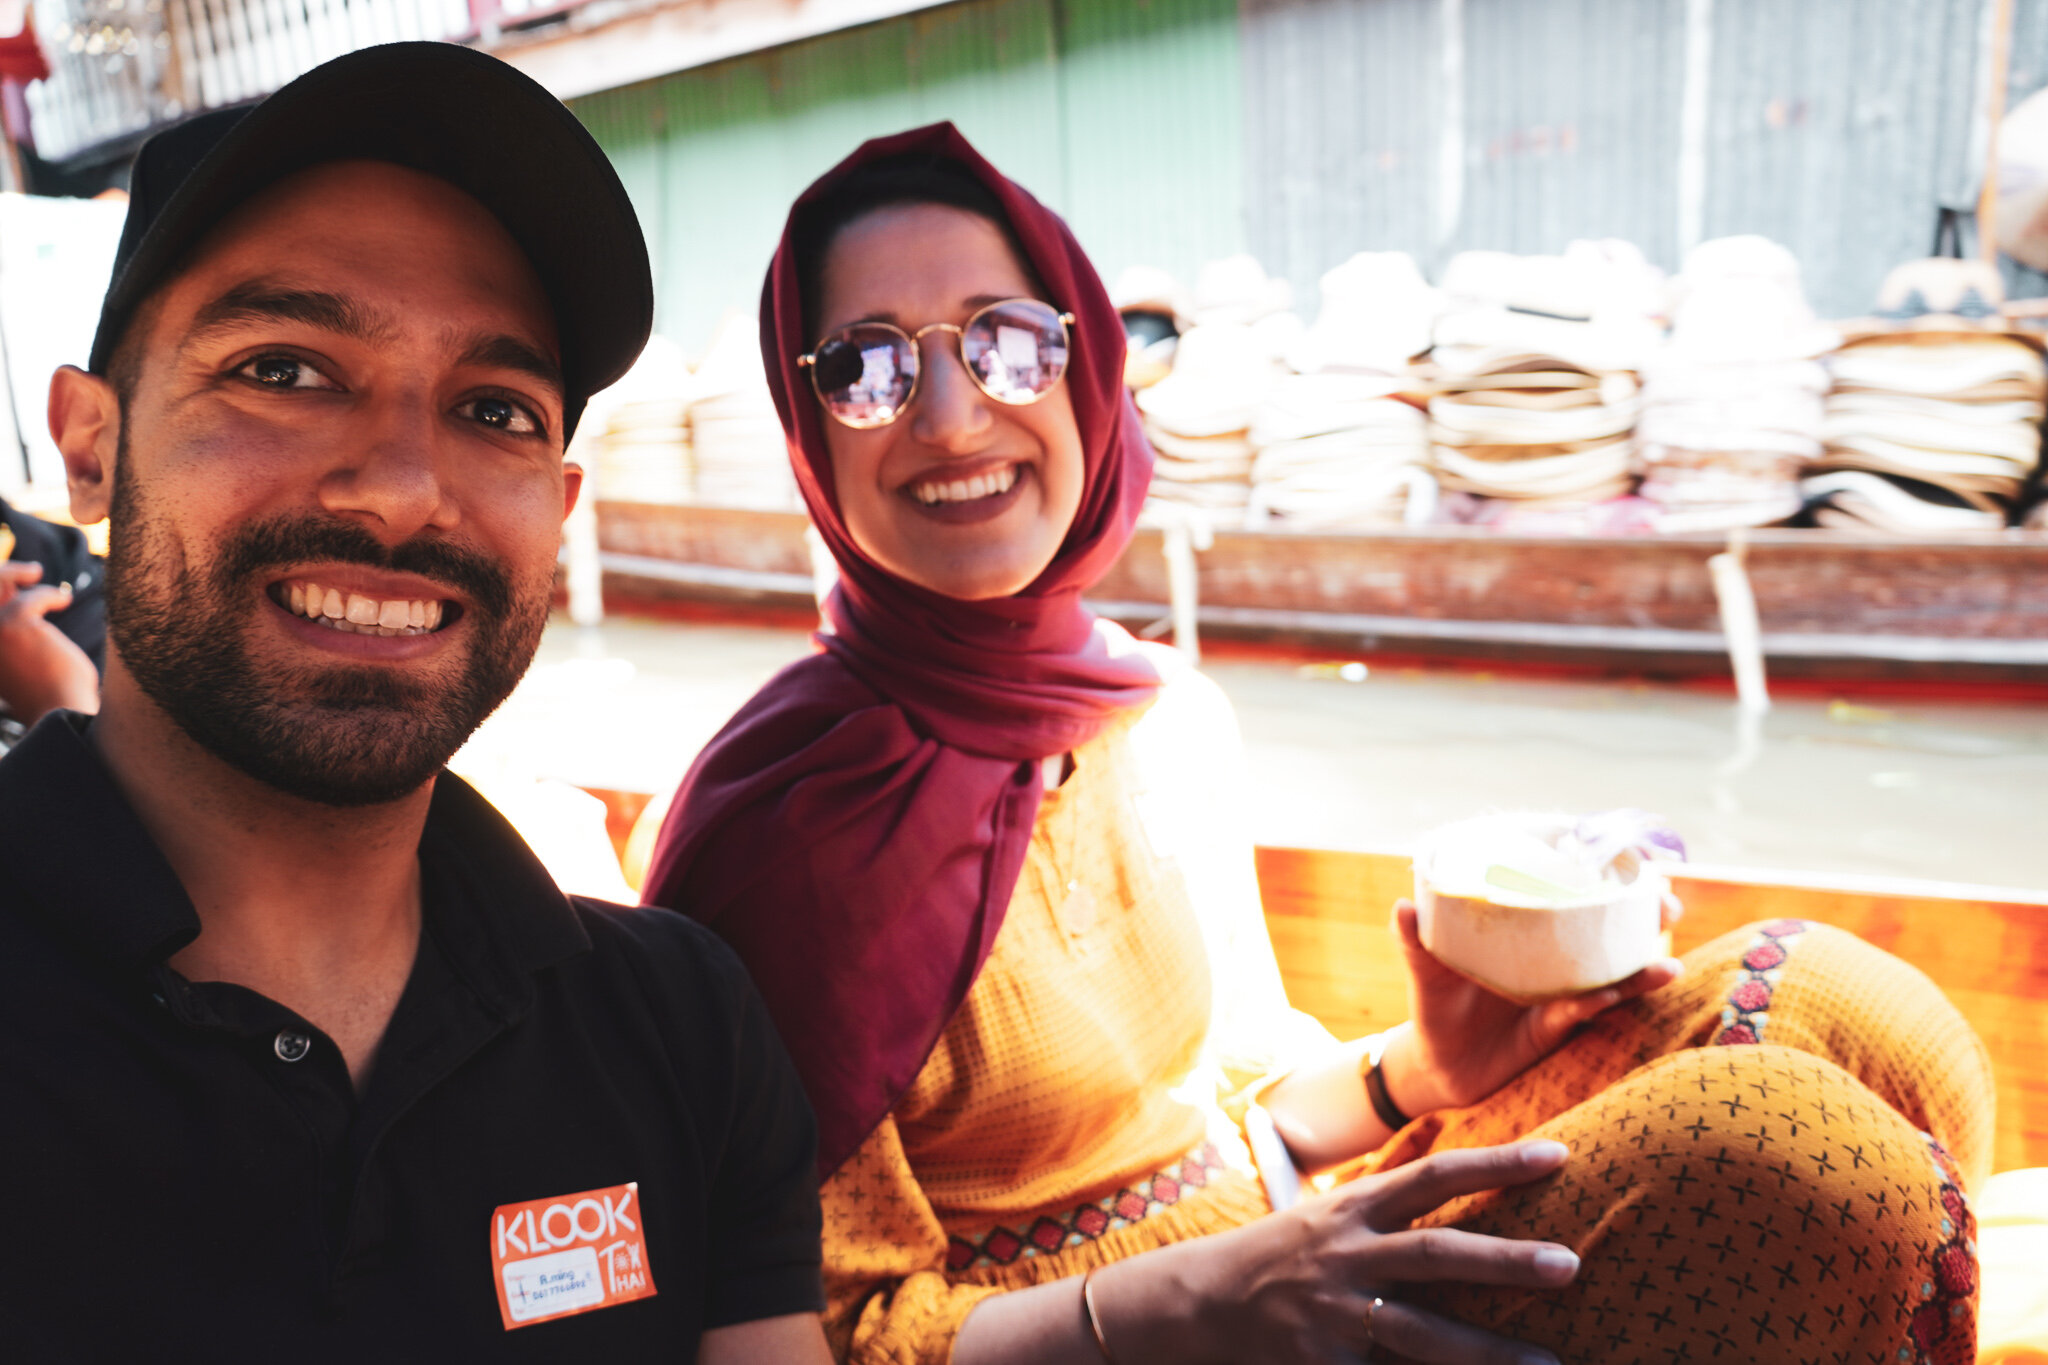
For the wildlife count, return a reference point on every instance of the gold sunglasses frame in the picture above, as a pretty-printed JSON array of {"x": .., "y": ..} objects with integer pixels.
[{"x": 809, "y": 361}]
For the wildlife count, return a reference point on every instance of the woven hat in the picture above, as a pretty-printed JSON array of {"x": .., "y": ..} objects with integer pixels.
[
  {"x": 1236, "y": 289},
  {"x": 1148, "y": 289},
  {"x": 1740, "y": 300},
  {"x": 1598, "y": 305},
  {"x": 1377, "y": 313},
  {"x": 1940, "y": 296},
  {"x": 1856, "y": 499},
  {"x": 1221, "y": 373}
]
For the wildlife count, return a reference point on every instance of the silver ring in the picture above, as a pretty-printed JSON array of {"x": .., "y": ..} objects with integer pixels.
[{"x": 1371, "y": 1313}]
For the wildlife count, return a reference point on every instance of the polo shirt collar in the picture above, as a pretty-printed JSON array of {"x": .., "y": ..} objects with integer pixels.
[
  {"x": 493, "y": 906},
  {"x": 78, "y": 851}
]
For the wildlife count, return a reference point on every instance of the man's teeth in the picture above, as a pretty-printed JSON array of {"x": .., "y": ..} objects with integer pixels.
[
  {"x": 967, "y": 490},
  {"x": 360, "y": 615}
]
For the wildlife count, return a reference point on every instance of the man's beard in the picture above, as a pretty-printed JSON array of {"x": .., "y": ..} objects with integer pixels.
[{"x": 349, "y": 735}]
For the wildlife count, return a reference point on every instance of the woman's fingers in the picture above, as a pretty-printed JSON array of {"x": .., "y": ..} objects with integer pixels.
[
  {"x": 1560, "y": 1017},
  {"x": 1437, "y": 1255},
  {"x": 1399, "y": 1197},
  {"x": 1418, "y": 1335}
]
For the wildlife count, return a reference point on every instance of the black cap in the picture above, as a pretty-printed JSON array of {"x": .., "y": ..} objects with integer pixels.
[{"x": 469, "y": 119}]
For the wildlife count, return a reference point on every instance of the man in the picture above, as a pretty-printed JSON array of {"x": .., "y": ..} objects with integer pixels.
[
  {"x": 53, "y": 623},
  {"x": 302, "y": 1056}
]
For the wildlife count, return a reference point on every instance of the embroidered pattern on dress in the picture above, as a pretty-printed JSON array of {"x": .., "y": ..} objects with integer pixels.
[
  {"x": 1940, "y": 1331},
  {"x": 1049, "y": 1233},
  {"x": 1749, "y": 1005}
]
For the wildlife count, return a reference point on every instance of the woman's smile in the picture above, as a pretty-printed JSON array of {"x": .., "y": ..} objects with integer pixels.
[
  {"x": 952, "y": 488},
  {"x": 969, "y": 498}
]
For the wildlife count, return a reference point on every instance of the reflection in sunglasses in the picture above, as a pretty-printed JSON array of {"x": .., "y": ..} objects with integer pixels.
[
  {"x": 866, "y": 374},
  {"x": 878, "y": 370}
]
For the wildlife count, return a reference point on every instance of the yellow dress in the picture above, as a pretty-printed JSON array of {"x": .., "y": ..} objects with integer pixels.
[
  {"x": 1101, "y": 1062},
  {"x": 1083, "y": 1106}
]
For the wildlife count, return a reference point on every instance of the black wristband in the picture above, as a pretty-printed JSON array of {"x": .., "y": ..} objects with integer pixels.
[{"x": 1383, "y": 1103}]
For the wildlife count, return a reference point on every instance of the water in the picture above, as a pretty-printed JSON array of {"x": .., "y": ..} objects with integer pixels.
[{"x": 1946, "y": 791}]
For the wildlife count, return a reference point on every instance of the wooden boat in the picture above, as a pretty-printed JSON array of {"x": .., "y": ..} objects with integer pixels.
[
  {"x": 1832, "y": 604},
  {"x": 1327, "y": 913}
]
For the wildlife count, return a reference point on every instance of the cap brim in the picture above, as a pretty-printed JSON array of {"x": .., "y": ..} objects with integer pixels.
[{"x": 454, "y": 113}]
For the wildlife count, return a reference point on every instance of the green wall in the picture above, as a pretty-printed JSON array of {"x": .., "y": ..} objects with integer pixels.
[{"x": 1122, "y": 114}]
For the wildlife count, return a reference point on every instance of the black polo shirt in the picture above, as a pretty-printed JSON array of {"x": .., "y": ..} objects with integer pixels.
[{"x": 574, "y": 1104}]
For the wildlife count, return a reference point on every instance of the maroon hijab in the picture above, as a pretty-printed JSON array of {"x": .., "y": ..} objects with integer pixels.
[{"x": 856, "y": 830}]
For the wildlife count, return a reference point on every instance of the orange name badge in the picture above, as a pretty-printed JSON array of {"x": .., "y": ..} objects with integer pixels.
[{"x": 569, "y": 1254}]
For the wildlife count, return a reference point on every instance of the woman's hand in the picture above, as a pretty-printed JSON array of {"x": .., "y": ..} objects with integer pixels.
[
  {"x": 1298, "y": 1286},
  {"x": 1464, "y": 1042}
]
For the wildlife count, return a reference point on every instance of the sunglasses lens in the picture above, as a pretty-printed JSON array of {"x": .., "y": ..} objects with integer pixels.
[
  {"x": 1018, "y": 350},
  {"x": 864, "y": 374}
]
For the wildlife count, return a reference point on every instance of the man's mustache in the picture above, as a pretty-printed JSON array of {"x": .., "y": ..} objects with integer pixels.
[{"x": 285, "y": 540}]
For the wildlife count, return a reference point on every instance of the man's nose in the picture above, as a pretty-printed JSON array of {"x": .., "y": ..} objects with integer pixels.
[
  {"x": 951, "y": 412},
  {"x": 394, "y": 474}
]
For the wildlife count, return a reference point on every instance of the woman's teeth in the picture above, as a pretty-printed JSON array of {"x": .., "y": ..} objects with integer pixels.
[
  {"x": 360, "y": 615},
  {"x": 967, "y": 490}
]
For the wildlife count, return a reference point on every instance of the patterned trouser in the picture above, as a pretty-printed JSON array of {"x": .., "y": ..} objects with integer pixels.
[{"x": 1761, "y": 1167}]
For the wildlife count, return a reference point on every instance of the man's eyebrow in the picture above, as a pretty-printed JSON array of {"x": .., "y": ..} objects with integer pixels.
[
  {"x": 506, "y": 352},
  {"x": 264, "y": 301}
]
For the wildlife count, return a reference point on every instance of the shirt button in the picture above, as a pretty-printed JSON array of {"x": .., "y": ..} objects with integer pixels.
[{"x": 291, "y": 1045}]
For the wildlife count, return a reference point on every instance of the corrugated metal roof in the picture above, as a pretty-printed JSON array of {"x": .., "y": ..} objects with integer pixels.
[
  {"x": 1839, "y": 127},
  {"x": 1343, "y": 114},
  {"x": 1835, "y": 126},
  {"x": 1175, "y": 131},
  {"x": 1113, "y": 112},
  {"x": 1571, "y": 123}
]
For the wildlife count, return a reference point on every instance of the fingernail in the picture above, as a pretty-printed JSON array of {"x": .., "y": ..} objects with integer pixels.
[
  {"x": 1544, "y": 1149},
  {"x": 1556, "y": 1261}
]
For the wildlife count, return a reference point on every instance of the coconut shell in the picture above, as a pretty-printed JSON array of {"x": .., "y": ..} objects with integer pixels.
[{"x": 1530, "y": 954}]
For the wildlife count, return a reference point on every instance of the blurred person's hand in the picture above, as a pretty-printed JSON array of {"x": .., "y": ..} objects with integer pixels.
[
  {"x": 40, "y": 668},
  {"x": 1464, "y": 1042}
]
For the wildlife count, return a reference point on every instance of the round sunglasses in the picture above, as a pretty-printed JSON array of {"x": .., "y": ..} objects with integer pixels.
[{"x": 866, "y": 375}]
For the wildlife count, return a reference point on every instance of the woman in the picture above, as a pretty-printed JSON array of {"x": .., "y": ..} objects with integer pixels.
[{"x": 979, "y": 854}]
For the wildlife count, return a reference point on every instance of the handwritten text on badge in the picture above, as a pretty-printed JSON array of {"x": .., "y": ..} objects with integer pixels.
[{"x": 569, "y": 1254}]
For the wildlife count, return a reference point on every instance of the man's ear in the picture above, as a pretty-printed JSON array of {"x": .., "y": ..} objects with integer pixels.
[
  {"x": 572, "y": 486},
  {"x": 85, "y": 422}
]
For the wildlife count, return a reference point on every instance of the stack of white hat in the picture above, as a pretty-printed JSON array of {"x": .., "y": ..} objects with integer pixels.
[
  {"x": 1199, "y": 417},
  {"x": 1534, "y": 367},
  {"x": 1732, "y": 403},
  {"x": 639, "y": 431},
  {"x": 1933, "y": 424},
  {"x": 742, "y": 459},
  {"x": 1337, "y": 449}
]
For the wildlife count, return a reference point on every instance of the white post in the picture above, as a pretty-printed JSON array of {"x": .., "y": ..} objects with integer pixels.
[
  {"x": 1739, "y": 622},
  {"x": 1183, "y": 532}
]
